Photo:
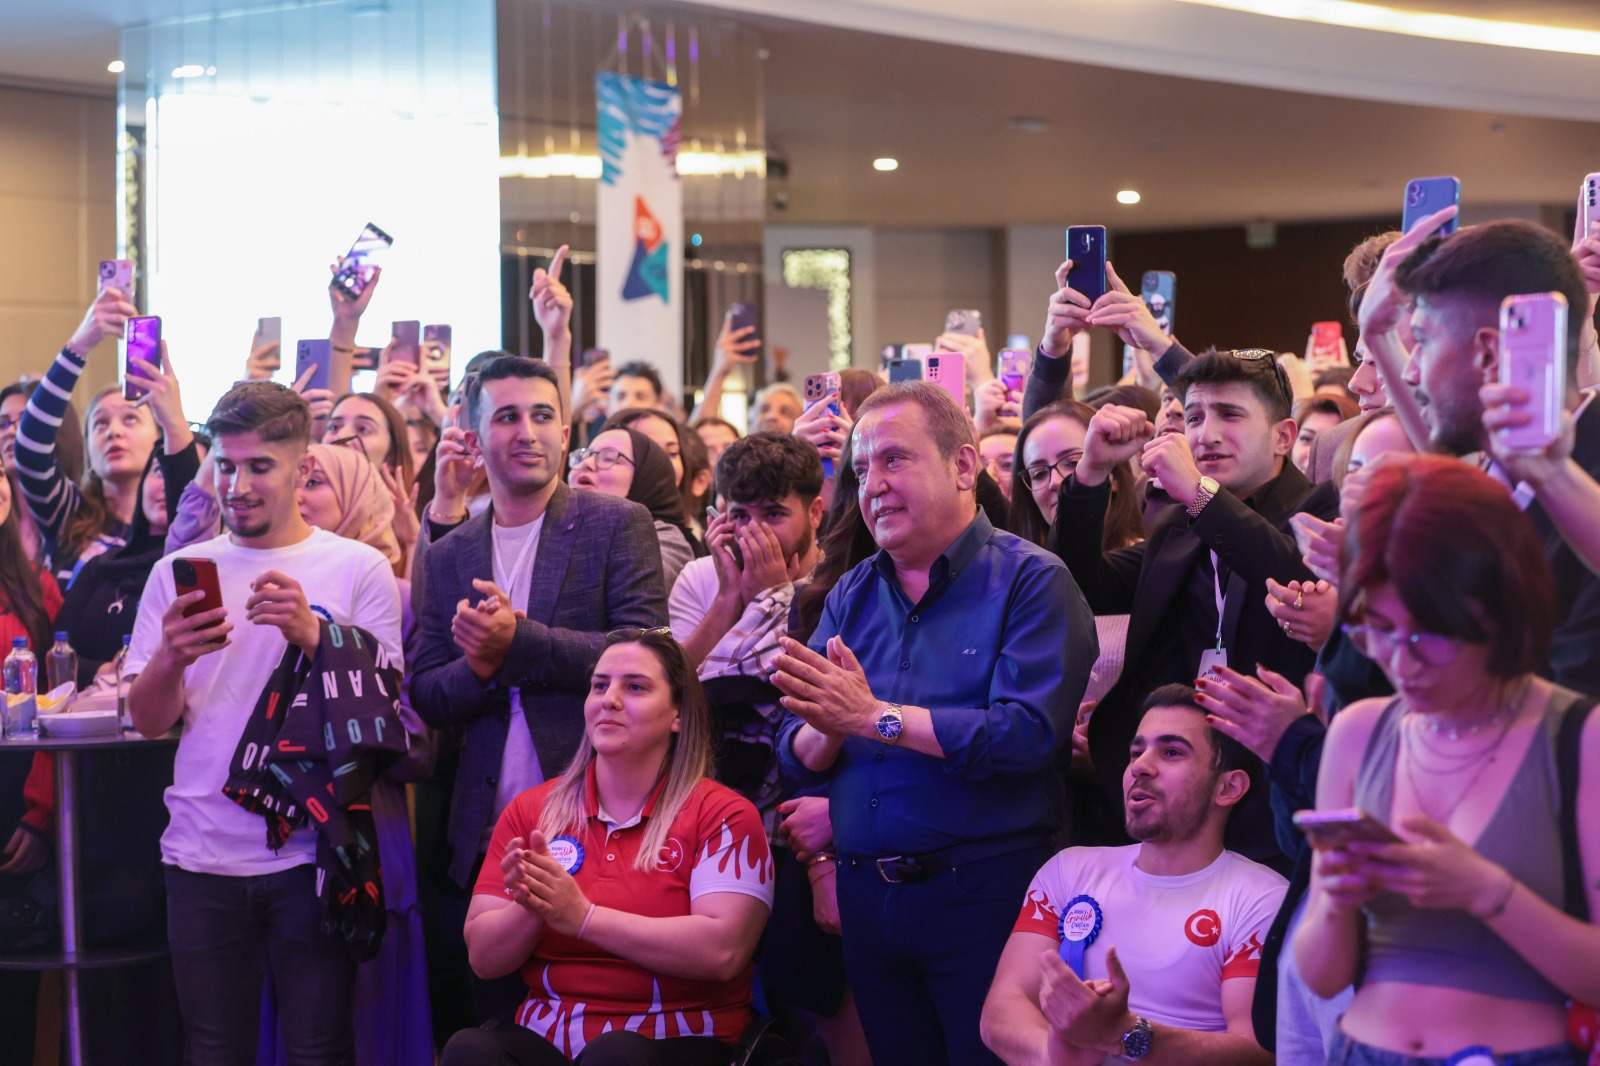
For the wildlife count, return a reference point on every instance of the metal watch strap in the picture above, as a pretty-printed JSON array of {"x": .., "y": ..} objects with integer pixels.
[
  {"x": 1202, "y": 497},
  {"x": 1136, "y": 1042}
]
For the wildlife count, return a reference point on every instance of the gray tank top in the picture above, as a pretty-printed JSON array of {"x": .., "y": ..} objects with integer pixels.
[{"x": 1451, "y": 948}]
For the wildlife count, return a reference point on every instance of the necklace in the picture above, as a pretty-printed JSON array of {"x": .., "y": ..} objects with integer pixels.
[
  {"x": 1478, "y": 762},
  {"x": 1456, "y": 732}
]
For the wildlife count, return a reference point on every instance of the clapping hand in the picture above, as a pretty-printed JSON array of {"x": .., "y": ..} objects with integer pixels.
[
  {"x": 1255, "y": 713},
  {"x": 552, "y": 894},
  {"x": 484, "y": 631},
  {"x": 832, "y": 693}
]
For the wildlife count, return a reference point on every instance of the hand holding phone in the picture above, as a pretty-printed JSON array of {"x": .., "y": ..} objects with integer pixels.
[
  {"x": 819, "y": 387},
  {"x": 1086, "y": 247},
  {"x": 144, "y": 344},
  {"x": 1533, "y": 358},
  {"x": 1424, "y": 196},
  {"x": 1335, "y": 830},
  {"x": 436, "y": 342},
  {"x": 117, "y": 274},
  {"x": 1013, "y": 367},
  {"x": 355, "y": 271},
  {"x": 965, "y": 321},
  {"x": 948, "y": 370}
]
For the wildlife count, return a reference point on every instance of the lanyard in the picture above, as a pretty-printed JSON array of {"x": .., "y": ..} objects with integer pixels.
[
  {"x": 503, "y": 578},
  {"x": 1216, "y": 583}
]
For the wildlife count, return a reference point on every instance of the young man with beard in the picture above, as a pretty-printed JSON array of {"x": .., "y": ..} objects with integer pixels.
[
  {"x": 234, "y": 905},
  {"x": 516, "y": 602},
  {"x": 1163, "y": 936}
]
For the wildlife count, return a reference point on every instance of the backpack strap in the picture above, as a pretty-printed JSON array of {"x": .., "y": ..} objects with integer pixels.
[{"x": 1569, "y": 750}]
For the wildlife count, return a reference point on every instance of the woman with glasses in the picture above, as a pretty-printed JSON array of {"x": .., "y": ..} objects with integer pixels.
[
  {"x": 630, "y": 891},
  {"x": 1459, "y": 937},
  {"x": 626, "y": 463}
]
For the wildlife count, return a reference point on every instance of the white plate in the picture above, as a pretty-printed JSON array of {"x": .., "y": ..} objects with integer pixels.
[
  {"x": 79, "y": 724},
  {"x": 92, "y": 701}
]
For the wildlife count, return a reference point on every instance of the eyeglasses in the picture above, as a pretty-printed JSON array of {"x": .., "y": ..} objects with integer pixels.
[
  {"x": 999, "y": 466},
  {"x": 1429, "y": 649},
  {"x": 604, "y": 458},
  {"x": 1251, "y": 355},
  {"x": 1038, "y": 475},
  {"x": 7, "y": 422}
]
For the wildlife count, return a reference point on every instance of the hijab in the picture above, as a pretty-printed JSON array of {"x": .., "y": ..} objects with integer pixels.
[
  {"x": 655, "y": 486},
  {"x": 365, "y": 507}
]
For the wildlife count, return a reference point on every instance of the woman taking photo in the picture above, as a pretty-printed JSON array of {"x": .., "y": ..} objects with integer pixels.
[
  {"x": 630, "y": 891},
  {"x": 1459, "y": 939}
]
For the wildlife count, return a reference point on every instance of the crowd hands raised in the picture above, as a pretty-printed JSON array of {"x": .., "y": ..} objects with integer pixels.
[{"x": 953, "y": 732}]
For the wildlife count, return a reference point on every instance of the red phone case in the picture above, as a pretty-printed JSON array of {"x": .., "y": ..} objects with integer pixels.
[{"x": 205, "y": 573}]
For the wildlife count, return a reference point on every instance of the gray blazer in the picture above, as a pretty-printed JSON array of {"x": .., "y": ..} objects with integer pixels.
[{"x": 598, "y": 568}]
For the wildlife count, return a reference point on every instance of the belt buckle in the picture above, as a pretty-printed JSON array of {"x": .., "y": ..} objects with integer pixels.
[{"x": 884, "y": 865}]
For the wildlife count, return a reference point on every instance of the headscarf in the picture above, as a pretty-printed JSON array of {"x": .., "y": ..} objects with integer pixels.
[
  {"x": 655, "y": 486},
  {"x": 365, "y": 507}
]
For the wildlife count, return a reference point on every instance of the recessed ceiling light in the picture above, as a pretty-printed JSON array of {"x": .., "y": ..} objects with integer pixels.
[
  {"x": 116, "y": 66},
  {"x": 1026, "y": 124},
  {"x": 1127, "y": 196},
  {"x": 885, "y": 163},
  {"x": 188, "y": 70}
]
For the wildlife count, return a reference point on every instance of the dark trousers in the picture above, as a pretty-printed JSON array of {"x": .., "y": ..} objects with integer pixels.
[
  {"x": 512, "y": 1045},
  {"x": 224, "y": 933},
  {"x": 920, "y": 956}
]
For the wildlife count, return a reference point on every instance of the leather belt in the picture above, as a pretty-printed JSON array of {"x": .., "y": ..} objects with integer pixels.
[{"x": 909, "y": 869}]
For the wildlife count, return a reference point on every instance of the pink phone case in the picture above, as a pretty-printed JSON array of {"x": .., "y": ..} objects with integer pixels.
[
  {"x": 1533, "y": 356},
  {"x": 1015, "y": 364},
  {"x": 819, "y": 385},
  {"x": 1588, "y": 206},
  {"x": 948, "y": 370}
]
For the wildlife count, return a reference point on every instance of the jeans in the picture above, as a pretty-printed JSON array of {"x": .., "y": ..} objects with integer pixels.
[
  {"x": 224, "y": 932},
  {"x": 1348, "y": 1052},
  {"x": 920, "y": 956}
]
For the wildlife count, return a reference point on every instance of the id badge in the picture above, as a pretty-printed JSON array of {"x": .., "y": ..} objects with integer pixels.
[{"x": 1211, "y": 662}]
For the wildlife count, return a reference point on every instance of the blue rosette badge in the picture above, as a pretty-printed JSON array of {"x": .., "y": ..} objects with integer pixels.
[
  {"x": 568, "y": 853},
  {"x": 1081, "y": 920}
]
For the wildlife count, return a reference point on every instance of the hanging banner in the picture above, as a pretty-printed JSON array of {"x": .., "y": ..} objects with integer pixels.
[{"x": 639, "y": 224}]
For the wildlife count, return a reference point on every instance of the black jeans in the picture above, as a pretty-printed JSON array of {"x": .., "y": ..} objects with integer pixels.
[
  {"x": 224, "y": 933},
  {"x": 512, "y": 1045}
]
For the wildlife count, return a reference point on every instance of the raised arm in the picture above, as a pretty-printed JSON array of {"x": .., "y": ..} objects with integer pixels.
[
  {"x": 735, "y": 348},
  {"x": 1052, "y": 366},
  {"x": 552, "y": 309}
]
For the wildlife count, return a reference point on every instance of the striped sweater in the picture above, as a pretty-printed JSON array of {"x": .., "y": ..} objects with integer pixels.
[{"x": 51, "y": 497}]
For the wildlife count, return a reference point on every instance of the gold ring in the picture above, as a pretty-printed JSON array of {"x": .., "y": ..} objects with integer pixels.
[
  {"x": 1299, "y": 598},
  {"x": 1286, "y": 628}
]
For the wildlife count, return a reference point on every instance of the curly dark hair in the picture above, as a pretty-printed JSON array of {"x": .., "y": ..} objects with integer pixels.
[{"x": 769, "y": 466}]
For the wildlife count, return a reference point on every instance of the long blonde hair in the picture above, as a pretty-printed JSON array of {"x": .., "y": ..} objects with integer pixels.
[{"x": 688, "y": 762}]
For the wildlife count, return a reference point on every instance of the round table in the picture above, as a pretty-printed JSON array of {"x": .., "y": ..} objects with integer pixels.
[{"x": 64, "y": 752}]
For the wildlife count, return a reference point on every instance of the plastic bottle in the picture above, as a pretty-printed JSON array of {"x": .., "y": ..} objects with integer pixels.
[
  {"x": 122, "y": 689},
  {"x": 22, "y": 690},
  {"x": 61, "y": 665}
]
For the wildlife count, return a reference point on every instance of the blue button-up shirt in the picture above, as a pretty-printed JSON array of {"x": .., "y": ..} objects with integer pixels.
[{"x": 999, "y": 650}]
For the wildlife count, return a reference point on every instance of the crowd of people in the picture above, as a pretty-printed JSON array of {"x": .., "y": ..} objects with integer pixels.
[{"x": 1220, "y": 715}]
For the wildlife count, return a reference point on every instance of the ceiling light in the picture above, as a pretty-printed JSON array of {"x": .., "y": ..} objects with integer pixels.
[
  {"x": 116, "y": 66},
  {"x": 885, "y": 163},
  {"x": 1127, "y": 196},
  {"x": 1026, "y": 124},
  {"x": 189, "y": 70},
  {"x": 1430, "y": 24}
]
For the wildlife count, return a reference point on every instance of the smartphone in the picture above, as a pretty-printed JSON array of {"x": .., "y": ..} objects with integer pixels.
[
  {"x": 1086, "y": 247},
  {"x": 355, "y": 269},
  {"x": 968, "y": 322},
  {"x": 1424, "y": 196},
  {"x": 817, "y": 387},
  {"x": 1326, "y": 347},
  {"x": 741, "y": 316},
  {"x": 436, "y": 355},
  {"x": 948, "y": 370},
  {"x": 144, "y": 342},
  {"x": 733, "y": 545},
  {"x": 890, "y": 353},
  {"x": 407, "y": 342},
  {"x": 1588, "y": 206},
  {"x": 117, "y": 274},
  {"x": 318, "y": 354},
  {"x": 1335, "y": 829},
  {"x": 904, "y": 369},
  {"x": 919, "y": 352},
  {"x": 591, "y": 356},
  {"x": 1159, "y": 290},
  {"x": 1533, "y": 356},
  {"x": 1013, "y": 367},
  {"x": 192, "y": 575}
]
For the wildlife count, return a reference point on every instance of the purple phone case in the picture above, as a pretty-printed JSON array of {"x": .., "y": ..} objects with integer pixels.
[
  {"x": 144, "y": 342},
  {"x": 1424, "y": 196},
  {"x": 1533, "y": 356},
  {"x": 316, "y": 353}
]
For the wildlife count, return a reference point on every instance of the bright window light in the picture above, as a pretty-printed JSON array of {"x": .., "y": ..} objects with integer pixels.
[
  {"x": 252, "y": 201},
  {"x": 886, "y": 163},
  {"x": 1421, "y": 24},
  {"x": 116, "y": 66},
  {"x": 1128, "y": 196}
]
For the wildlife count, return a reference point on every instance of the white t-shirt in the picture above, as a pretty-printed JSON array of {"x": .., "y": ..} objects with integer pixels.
[
  {"x": 1178, "y": 938},
  {"x": 691, "y": 597},
  {"x": 515, "y": 548},
  {"x": 346, "y": 582}
]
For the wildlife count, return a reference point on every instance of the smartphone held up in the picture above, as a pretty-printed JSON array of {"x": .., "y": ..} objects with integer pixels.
[
  {"x": 1533, "y": 357},
  {"x": 1086, "y": 247},
  {"x": 143, "y": 344},
  {"x": 356, "y": 268}
]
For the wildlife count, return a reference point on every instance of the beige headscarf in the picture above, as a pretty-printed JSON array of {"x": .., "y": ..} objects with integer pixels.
[{"x": 365, "y": 506}]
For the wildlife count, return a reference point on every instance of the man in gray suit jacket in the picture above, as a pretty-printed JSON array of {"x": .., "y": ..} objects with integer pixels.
[{"x": 515, "y": 603}]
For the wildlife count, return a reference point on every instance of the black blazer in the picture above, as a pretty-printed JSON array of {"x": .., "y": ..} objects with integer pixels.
[
  {"x": 1575, "y": 656},
  {"x": 598, "y": 568},
  {"x": 1252, "y": 540}
]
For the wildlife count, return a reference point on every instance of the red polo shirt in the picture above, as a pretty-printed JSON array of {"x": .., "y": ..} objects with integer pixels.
[{"x": 576, "y": 991}]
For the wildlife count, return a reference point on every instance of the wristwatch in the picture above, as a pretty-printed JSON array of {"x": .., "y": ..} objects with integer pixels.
[
  {"x": 891, "y": 723},
  {"x": 1136, "y": 1041},
  {"x": 1208, "y": 490}
]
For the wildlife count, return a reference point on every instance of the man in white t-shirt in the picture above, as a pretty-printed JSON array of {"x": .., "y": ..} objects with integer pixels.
[
  {"x": 235, "y": 907},
  {"x": 1149, "y": 951}
]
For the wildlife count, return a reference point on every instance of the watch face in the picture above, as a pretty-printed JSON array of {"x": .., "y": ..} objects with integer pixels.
[
  {"x": 1136, "y": 1041},
  {"x": 889, "y": 727}
]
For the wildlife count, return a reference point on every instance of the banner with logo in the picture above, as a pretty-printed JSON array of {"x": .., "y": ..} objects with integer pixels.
[{"x": 639, "y": 223}]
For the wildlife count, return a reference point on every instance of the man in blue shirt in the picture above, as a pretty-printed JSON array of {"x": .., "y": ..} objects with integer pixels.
[{"x": 940, "y": 689}]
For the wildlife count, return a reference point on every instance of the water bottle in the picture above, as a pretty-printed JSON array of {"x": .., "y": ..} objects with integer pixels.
[
  {"x": 122, "y": 688},
  {"x": 22, "y": 690},
  {"x": 61, "y": 665}
]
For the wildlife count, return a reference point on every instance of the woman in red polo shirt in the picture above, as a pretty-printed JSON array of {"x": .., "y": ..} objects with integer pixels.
[{"x": 630, "y": 891}]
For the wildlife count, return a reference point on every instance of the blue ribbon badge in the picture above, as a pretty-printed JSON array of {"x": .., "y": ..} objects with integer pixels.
[
  {"x": 1081, "y": 920},
  {"x": 568, "y": 852},
  {"x": 1472, "y": 1056}
]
